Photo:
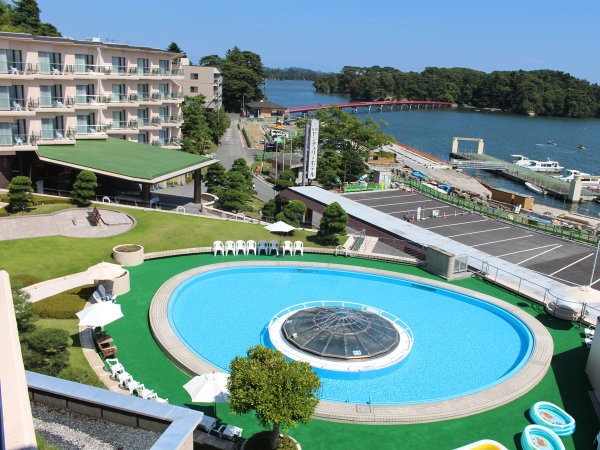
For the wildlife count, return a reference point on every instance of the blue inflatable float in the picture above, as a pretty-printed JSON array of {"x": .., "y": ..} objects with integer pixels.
[
  {"x": 536, "y": 437},
  {"x": 552, "y": 417}
]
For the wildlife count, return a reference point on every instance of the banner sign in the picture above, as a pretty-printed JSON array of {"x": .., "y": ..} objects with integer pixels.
[{"x": 313, "y": 145}]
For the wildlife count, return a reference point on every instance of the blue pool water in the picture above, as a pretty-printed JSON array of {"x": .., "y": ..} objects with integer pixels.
[{"x": 461, "y": 344}]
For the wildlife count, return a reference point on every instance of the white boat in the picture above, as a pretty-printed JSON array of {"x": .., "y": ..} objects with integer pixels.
[
  {"x": 534, "y": 188},
  {"x": 537, "y": 166},
  {"x": 587, "y": 181}
]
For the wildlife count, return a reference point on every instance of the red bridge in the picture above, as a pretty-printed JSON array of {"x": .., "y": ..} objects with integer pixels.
[{"x": 382, "y": 103}]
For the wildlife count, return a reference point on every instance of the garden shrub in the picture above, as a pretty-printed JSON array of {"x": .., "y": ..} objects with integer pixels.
[
  {"x": 65, "y": 304},
  {"x": 24, "y": 280}
]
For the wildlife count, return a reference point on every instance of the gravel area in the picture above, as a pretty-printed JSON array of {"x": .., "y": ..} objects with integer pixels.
[{"x": 68, "y": 430}]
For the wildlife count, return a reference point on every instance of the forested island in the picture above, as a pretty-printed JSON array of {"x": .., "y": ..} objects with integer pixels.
[
  {"x": 291, "y": 73},
  {"x": 539, "y": 92}
]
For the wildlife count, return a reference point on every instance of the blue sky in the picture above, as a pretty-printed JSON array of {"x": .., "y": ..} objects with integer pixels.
[{"x": 325, "y": 35}]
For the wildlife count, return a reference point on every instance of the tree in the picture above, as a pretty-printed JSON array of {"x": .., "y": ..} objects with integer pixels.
[
  {"x": 280, "y": 392},
  {"x": 235, "y": 193},
  {"x": 24, "y": 17},
  {"x": 173, "y": 47},
  {"x": 328, "y": 167},
  {"x": 84, "y": 188},
  {"x": 352, "y": 165},
  {"x": 273, "y": 207},
  {"x": 285, "y": 179},
  {"x": 215, "y": 178},
  {"x": 241, "y": 166},
  {"x": 333, "y": 222},
  {"x": 24, "y": 313},
  {"x": 20, "y": 197},
  {"x": 45, "y": 350},
  {"x": 292, "y": 213},
  {"x": 196, "y": 133}
]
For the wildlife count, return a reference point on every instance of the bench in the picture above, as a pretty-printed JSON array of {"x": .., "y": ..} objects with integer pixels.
[{"x": 93, "y": 218}]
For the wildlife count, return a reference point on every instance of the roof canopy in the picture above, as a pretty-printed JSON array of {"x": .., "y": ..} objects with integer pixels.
[
  {"x": 264, "y": 104},
  {"x": 124, "y": 159}
]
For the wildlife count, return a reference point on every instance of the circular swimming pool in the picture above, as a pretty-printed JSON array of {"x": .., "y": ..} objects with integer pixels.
[{"x": 462, "y": 344}]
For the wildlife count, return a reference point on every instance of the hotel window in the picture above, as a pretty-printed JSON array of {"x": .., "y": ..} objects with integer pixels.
[
  {"x": 84, "y": 93},
  {"x": 12, "y": 133},
  {"x": 11, "y": 98},
  {"x": 10, "y": 61},
  {"x": 163, "y": 113},
  {"x": 52, "y": 128},
  {"x": 143, "y": 138},
  {"x": 193, "y": 76},
  {"x": 143, "y": 91},
  {"x": 163, "y": 89},
  {"x": 86, "y": 123},
  {"x": 118, "y": 119},
  {"x": 49, "y": 63},
  {"x": 163, "y": 137},
  {"x": 142, "y": 114},
  {"x": 143, "y": 66},
  {"x": 51, "y": 96},
  {"x": 193, "y": 88},
  {"x": 84, "y": 63},
  {"x": 163, "y": 65},
  {"x": 118, "y": 64},
  {"x": 118, "y": 93}
]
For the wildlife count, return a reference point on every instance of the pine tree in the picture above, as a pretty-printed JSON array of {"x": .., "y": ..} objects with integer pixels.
[
  {"x": 333, "y": 222},
  {"x": 20, "y": 197},
  {"x": 84, "y": 188}
]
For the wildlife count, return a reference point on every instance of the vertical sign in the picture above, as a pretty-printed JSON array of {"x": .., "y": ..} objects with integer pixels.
[{"x": 313, "y": 144}]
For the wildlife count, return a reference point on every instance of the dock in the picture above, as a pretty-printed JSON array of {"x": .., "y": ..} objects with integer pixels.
[{"x": 555, "y": 187}]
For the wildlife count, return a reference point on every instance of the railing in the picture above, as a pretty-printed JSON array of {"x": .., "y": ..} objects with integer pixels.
[
  {"x": 133, "y": 97},
  {"x": 49, "y": 69},
  {"x": 117, "y": 98},
  {"x": 175, "y": 118},
  {"x": 117, "y": 125},
  {"x": 16, "y": 140},
  {"x": 507, "y": 216},
  {"x": 89, "y": 69},
  {"x": 54, "y": 135},
  {"x": 13, "y": 104},
  {"x": 143, "y": 121},
  {"x": 359, "y": 241},
  {"x": 157, "y": 120},
  {"x": 143, "y": 96},
  {"x": 13, "y": 68},
  {"x": 88, "y": 99},
  {"x": 88, "y": 129},
  {"x": 133, "y": 124},
  {"x": 167, "y": 95},
  {"x": 51, "y": 102}
]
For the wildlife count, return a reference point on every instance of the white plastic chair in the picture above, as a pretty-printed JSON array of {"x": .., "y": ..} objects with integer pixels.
[
  {"x": 14, "y": 70},
  {"x": 208, "y": 423},
  {"x": 143, "y": 391},
  {"x": 161, "y": 400},
  {"x": 589, "y": 332},
  {"x": 115, "y": 366},
  {"x": 59, "y": 135},
  {"x": 16, "y": 106},
  {"x": 229, "y": 247},
  {"x": 241, "y": 246},
  {"x": 18, "y": 140},
  {"x": 287, "y": 246},
  {"x": 132, "y": 385},
  {"x": 250, "y": 247},
  {"x": 230, "y": 431},
  {"x": 299, "y": 247},
  {"x": 124, "y": 378},
  {"x": 218, "y": 247},
  {"x": 263, "y": 246},
  {"x": 274, "y": 247}
]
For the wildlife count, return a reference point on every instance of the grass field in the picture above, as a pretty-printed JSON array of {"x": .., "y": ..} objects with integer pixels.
[{"x": 565, "y": 383}]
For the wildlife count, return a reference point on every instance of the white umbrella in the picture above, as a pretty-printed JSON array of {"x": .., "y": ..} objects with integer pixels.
[
  {"x": 208, "y": 387},
  {"x": 99, "y": 314},
  {"x": 279, "y": 227},
  {"x": 105, "y": 271}
]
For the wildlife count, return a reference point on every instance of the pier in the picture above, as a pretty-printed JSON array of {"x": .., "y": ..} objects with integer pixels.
[{"x": 380, "y": 105}]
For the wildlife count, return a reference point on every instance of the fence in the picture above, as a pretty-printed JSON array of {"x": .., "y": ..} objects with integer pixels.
[
  {"x": 358, "y": 186},
  {"x": 506, "y": 216}
]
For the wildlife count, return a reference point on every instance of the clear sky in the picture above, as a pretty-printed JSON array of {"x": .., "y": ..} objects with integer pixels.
[{"x": 326, "y": 35}]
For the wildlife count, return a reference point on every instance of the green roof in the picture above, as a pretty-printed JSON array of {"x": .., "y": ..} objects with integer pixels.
[{"x": 123, "y": 159}]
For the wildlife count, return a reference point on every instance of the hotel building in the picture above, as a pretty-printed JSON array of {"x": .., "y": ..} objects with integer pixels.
[{"x": 204, "y": 80}]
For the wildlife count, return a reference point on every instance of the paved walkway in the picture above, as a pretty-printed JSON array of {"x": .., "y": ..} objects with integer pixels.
[{"x": 70, "y": 223}]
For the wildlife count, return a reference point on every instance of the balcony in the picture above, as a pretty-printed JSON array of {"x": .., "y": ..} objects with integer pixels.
[
  {"x": 51, "y": 104},
  {"x": 122, "y": 127},
  {"x": 175, "y": 118},
  {"x": 89, "y": 101},
  {"x": 122, "y": 100},
  {"x": 144, "y": 98},
  {"x": 168, "y": 96},
  {"x": 12, "y": 69},
  {"x": 15, "y": 107},
  {"x": 145, "y": 124},
  {"x": 50, "y": 71},
  {"x": 87, "y": 71},
  {"x": 171, "y": 143},
  {"x": 17, "y": 142},
  {"x": 89, "y": 131},
  {"x": 55, "y": 137}
]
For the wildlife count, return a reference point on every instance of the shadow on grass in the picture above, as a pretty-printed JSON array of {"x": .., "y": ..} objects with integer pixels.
[{"x": 554, "y": 323}]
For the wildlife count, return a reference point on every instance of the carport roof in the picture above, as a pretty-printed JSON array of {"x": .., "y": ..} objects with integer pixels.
[{"x": 124, "y": 159}]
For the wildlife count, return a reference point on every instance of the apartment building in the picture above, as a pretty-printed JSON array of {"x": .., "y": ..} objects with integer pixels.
[
  {"x": 204, "y": 80},
  {"x": 56, "y": 91}
]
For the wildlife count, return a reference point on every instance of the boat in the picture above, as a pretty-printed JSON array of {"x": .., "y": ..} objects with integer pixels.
[
  {"x": 581, "y": 146},
  {"x": 587, "y": 181},
  {"x": 551, "y": 143},
  {"x": 536, "y": 437},
  {"x": 552, "y": 417},
  {"x": 534, "y": 188},
  {"x": 537, "y": 166}
]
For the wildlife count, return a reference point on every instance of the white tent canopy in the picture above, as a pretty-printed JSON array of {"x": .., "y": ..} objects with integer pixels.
[
  {"x": 99, "y": 314},
  {"x": 279, "y": 227},
  {"x": 105, "y": 271},
  {"x": 208, "y": 387}
]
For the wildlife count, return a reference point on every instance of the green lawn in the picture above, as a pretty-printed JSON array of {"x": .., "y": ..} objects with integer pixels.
[
  {"x": 154, "y": 230},
  {"x": 565, "y": 384}
]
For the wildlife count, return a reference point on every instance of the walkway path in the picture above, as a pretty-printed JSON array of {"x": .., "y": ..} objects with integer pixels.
[{"x": 70, "y": 223}]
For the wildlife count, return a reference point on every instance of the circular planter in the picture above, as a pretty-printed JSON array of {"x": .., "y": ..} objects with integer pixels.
[{"x": 129, "y": 254}]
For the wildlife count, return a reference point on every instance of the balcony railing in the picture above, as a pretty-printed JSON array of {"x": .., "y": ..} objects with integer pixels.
[
  {"x": 166, "y": 142},
  {"x": 117, "y": 125},
  {"x": 116, "y": 98},
  {"x": 143, "y": 96},
  {"x": 88, "y": 99},
  {"x": 157, "y": 120},
  {"x": 16, "y": 140},
  {"x": 133, "y": 124},
  {"x": 88, "y": 129},
  {"x": 13, "y": 104},
  {"x": 143, "y": 121},
  {"x": 13, "y": 68},
  {"x": 175, "y": 118},
  {"x": 54, "y": 135},
  {"x": 83, "y": 69},
  {"x": 51, "y": 102},
  {"x": 49, "y": 69},
  {"x": 167, "y": 95}
]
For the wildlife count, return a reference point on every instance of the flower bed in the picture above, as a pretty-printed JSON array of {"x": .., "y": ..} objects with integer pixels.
[{"x": 129, "y": 254}]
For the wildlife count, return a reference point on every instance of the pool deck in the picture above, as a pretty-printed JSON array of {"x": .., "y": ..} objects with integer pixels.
[{"x": 526, "y": 379}]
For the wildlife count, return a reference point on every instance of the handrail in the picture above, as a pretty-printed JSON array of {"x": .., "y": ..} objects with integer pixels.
[
  {"x": 339, "y": 247},
  {"x": 359, "y": 240}
]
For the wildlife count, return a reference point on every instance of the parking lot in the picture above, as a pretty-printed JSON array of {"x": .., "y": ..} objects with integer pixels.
[{"x": 563, "y": 260}]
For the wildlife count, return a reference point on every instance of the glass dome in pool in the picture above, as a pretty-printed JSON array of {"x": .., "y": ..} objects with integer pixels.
[
  {"x": 340, "y": 332},
  {"x": 459, "y": 344}
]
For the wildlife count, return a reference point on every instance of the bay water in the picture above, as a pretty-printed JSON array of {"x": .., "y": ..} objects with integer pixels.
[{"x": 504, "y": 134}]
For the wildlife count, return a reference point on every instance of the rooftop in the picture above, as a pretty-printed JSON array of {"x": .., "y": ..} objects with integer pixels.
[
  {"x": 264, "y": 104},
  {"x": 124, "y": 159}
]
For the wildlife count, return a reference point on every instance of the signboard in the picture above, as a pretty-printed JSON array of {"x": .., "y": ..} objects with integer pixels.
[{"x": 313, "y": 145}]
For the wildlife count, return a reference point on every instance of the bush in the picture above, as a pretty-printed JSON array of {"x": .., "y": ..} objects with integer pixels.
[
  {"x": 81, "y": 376},
  {"x": 20, "y": 197},
  {"x": 84, "y": 188},
  {"x": 333, "y": 222},
  {"x": 22, "y": 281},
  {"x": 46, "y": 350},
  {"x": 260, "y": 441},
  {"x": 63, "y": 305}
]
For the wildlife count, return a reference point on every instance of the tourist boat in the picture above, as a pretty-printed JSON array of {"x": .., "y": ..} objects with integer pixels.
[
  {"x": 534, "y": 188},
  {"x": 581, "y": 146},
  {"x": 536, "y": 437},
  {"x": 538, "y": 166},
  {"x": 552, "y": 417},
  {"x": 587, "y": 182}
]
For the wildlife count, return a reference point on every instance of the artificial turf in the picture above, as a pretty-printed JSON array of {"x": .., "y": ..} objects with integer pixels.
[{"x": 565, "y": 384}]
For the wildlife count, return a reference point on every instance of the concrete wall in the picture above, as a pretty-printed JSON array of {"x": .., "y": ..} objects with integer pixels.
[
  {"x": 440, "y": 262},
  {"x": 17, "y": 426},
  {"x": 592, "y": 368}
]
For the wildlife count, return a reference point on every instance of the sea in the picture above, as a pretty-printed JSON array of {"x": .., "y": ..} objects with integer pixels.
[{"x": 504, "y": 134}]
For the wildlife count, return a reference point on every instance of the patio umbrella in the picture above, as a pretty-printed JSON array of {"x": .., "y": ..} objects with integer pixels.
[
  {"x": 105, "y": 271},
  {"x": 208, "y": 387},
  {"x": 99, "y": 314},
  {"x": 279, "y": 227}
]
